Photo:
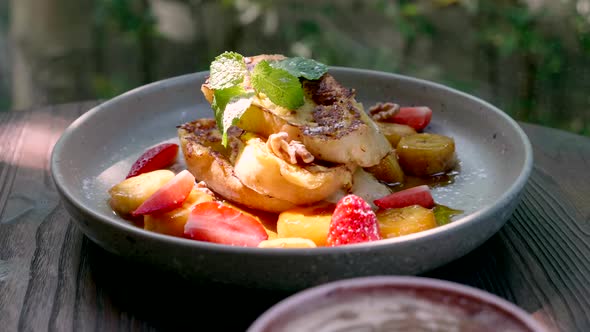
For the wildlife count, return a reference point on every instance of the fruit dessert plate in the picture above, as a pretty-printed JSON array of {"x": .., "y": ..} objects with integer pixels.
[{"x": 98, "y": 151}]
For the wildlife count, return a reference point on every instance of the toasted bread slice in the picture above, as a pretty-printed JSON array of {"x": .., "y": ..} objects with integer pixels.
[{"x": 249, "y": 173}]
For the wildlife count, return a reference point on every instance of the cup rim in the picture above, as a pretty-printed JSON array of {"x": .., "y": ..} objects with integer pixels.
[{"x": 283, "y": 307}]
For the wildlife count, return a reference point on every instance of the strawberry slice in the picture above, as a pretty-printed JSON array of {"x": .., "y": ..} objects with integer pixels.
[
  {"x": 169, "y": 197},
  {"x": 353, "y": 221},
  {"x": 417, "y": 117},
  {"x": 219, "y": 223},
  {"x": 419, "y": 195},
  {"x": 158, "y": 157}
]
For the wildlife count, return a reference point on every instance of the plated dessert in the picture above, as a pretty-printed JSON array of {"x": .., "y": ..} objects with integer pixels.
[
  {"x": 98, "y": 150},
  {"x": 290, "y": 158}
]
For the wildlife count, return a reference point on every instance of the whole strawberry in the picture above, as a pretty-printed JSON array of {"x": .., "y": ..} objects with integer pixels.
[{"x": 353, "y": 221}]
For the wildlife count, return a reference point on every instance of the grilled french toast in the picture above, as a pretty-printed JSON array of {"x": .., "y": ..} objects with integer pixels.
[{"x": 250, "y": 170}]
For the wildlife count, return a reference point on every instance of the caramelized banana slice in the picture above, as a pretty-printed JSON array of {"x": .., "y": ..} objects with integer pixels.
[
  {"x": 426, "y": 154},
  {"x": 388, "y": 170},
  {"x": 395, "y": 131},
  {"x": 264, "y": 172},
  {"x": 210, "y": 162}
]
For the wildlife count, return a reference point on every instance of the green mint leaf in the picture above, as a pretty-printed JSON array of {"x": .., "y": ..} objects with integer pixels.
[
  {"x": 229, "y": 105},
  {"x": 279, "y": 85},
  {"x": 302, "y": 67},
  {"x": 444, "y": 214},
  {"x": 227, "y": 70}
]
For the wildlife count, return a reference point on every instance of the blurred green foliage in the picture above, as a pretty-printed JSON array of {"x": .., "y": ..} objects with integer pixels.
[
  {"x": 526, "y": 58},
  {"x": 133, "y": 22}
]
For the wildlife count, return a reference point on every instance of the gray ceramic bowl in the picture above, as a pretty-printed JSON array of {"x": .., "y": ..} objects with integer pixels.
[
  {"x": 393, "y": 303},
  {"x": 96, "y": 151}
]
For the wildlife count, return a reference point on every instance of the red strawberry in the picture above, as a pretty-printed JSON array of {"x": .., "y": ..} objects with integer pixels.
[
  {"x": 419, "y": 195},
  {"x": 169, "y": 197},
  {"x": 154, "y": 158},
  {"x": 219, "y": 223},
  {"x": 417, "y": 117},
  {"x": 353, "y": 221}
]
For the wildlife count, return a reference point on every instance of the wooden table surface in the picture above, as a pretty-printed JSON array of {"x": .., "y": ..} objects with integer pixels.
[{"x": 54, "y": 278}]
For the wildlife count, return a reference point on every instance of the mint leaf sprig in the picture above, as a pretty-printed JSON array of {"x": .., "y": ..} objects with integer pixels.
[
  {"x": 278, "y": 85},
  {"x": 302, "y": 67},
  {"x": 229, "y": 105},
  {"x": 278, "y": 80},
  {"x": 227, "y": 70}
]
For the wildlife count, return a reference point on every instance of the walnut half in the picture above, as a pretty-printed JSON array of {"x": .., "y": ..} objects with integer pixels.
[
  {"x": 383, "y": 111},
  {"x": 292, "y": 152}
]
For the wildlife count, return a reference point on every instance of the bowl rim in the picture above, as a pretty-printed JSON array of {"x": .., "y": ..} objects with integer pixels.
[
  {"x": 58, "y": 175},
  {"x": 308, "y": 295}
]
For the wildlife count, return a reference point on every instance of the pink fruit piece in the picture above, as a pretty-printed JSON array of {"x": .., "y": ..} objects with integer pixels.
[
  {"x": 419, "y": 195},
  {"x": 219, "y": 223},
  {"x": 158, "y": 157},
  {"x": 169, "y": 197},
  {"x": 353, "y": 221},
  {"x": 417, "y": 117}
]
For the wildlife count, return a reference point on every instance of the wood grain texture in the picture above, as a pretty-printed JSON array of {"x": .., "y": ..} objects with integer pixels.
[
  {"x": 52, "y": 278},
  {"x": 32, "y": 221}
]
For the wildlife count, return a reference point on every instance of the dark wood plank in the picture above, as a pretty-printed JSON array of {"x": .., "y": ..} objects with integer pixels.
[
  {"x": 552, "y": 222},
  {"x": 53, "y": 278},
  {"x": 32, "y": 221},
  {"x": 10, "y": 301},
  {"x": 11, "y": 126}
]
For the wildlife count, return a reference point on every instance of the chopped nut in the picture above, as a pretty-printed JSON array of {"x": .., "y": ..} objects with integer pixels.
[
  {"x": 290, "y": 151},
  {"x": 383, "y": 111}
]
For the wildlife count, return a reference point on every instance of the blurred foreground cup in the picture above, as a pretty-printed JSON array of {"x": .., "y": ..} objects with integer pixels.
[{"x": 394, "y": 303}]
